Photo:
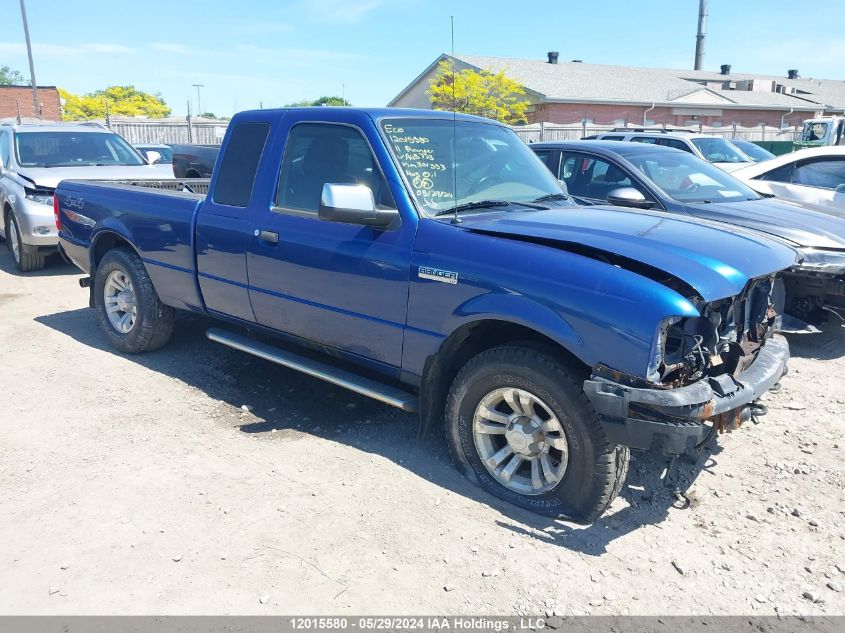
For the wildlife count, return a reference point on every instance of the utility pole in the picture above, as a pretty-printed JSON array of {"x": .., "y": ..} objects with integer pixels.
[
  {"x": 36, "y": 105},
  {"x": 199, "y": 103},
  {"x": 188, "y": 119},
  {"x": 699, "y": 38}
]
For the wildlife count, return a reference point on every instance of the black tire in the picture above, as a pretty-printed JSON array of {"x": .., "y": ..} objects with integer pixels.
[
  {"x": 596, "y": 469},
  {"x": 25, "y": 262},
  {"x": 154, "y": 322}
]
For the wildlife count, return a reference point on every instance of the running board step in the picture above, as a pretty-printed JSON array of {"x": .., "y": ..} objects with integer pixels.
[{"x": 393, "y": 396}]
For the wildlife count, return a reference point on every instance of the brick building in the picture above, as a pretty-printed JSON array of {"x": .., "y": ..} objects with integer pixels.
[
  {"x": 570, "y": 92},
  {"x": 12, "y": 97}
]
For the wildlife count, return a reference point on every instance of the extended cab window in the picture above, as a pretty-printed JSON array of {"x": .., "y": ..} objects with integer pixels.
[
  {"x": 319, "y": 153},
  {"x": 240, "y": 162}
]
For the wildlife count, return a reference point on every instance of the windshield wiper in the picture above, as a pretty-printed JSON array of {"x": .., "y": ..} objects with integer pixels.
[
  {"x": 488, "y": 204},
  {"x": 477, "y": 204},
  {"x": 551, "y": 196}
]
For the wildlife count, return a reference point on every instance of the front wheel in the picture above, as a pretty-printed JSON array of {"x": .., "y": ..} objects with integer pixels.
[
  {"x": 520, "y": 426},
  {"x": 128, "y": 309},
  {"x": 26, "y": 262}
]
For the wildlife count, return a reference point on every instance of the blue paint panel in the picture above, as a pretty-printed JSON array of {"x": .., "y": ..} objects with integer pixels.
[
  {"x": 158, "y": 224},
  {"x": 598, "y": 312}
]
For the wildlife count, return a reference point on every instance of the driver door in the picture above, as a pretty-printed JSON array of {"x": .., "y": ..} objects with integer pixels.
[{"x": 340, "y": 285}]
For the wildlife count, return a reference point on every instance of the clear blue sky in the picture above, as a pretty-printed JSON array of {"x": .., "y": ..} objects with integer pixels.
[{"x": 248, "y": 52}]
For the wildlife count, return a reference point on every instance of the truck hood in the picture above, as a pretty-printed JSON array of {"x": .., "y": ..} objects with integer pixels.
[
  {"x": 715, "y": 262},
  {"x": 798, "y": 224},
  {"x": 51, "y": 176}
]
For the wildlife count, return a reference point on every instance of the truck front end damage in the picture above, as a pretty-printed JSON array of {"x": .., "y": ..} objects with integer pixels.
[{"x": 705, "y": 374}]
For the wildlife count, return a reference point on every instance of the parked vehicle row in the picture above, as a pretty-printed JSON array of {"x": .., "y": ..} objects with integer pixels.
[
  {"x": 34, "y": 158},
  {"x": 714, "y": 149},
  {"x": 661, "y": 178},
  {"x": 813, "y": 176},
  {"x": 432, "y": 261}
]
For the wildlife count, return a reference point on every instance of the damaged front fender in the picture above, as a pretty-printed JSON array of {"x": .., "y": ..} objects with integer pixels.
[{"x": 636, "y": 414}]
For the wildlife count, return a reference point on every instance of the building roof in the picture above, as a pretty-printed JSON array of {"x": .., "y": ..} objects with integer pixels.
[{"x": 600, "y": 83}]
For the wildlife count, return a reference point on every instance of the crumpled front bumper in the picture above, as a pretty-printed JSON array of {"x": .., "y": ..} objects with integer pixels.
[{"x": 673, "y": 419}]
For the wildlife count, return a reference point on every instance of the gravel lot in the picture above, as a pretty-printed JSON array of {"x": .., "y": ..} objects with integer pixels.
[{"x": 200, "y": 480}]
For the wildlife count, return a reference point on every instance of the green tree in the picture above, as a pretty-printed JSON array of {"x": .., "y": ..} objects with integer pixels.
[
  {"x": 116, "y": 100},
  {"x": 322, "y": 101},
  {"x": 11, "y": 77},
  {"x": 495, "y": 96}
]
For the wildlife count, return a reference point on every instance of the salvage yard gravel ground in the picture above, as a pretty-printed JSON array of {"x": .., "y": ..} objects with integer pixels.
[{"x": 200, "y": 480}]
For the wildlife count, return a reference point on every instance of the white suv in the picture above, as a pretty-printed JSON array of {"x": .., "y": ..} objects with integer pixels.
[
  {"x": 714, "y": 149},
  {"x": 34, "y": 157}
]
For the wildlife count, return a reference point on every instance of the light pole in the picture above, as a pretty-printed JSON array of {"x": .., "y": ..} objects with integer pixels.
[
  {"x": 199, "y": 103},
  {"x": 36, "y": 106}
]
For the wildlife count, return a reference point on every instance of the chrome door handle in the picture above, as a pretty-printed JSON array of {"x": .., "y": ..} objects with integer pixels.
[{"x": 268, "y": 236}]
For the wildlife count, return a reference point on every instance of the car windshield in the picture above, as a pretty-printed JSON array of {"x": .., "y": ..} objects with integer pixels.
[
  {"x": 720, "y": 150},
  {"x": 73, "y": 149},
  {"x": 165, "y": 154},
  {"x": 687, "y": 178},
  {"x": 753, "y": 150},
  {"x": 814, "y": 131},
  {"x": 451, "y": 163}
]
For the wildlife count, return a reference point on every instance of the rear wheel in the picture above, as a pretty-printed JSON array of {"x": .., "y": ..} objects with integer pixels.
[
  {"x": 25, "y": 262},
  {"x": 520, "y": 426},
  {"x": 128, "y": 308}
]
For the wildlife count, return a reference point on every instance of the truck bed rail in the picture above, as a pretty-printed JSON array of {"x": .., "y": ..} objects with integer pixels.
[{"x": 184, "y": 185}]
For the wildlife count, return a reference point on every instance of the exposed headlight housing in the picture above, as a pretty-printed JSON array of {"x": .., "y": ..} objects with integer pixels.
[
  {"x": 41, "y": 196},
  {"x": 822, "y": 261},
  {"x": 658, "y": 349}
]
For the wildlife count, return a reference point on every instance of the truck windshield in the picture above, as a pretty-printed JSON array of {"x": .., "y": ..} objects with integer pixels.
[
  {"x": 451, "y": 163},
  {"x": 720, "y": 150},
  {"x": 814, "y": 132},
  {"x": 687, "y": 178},
  {"x": 73, "y": 149}
]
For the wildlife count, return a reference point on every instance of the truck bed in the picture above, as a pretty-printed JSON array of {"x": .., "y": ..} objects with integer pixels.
[{"x": 155, "y": 216}]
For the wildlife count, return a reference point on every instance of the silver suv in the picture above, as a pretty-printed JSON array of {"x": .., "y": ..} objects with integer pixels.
[
  {"x": 34, "y": 157},
  {"x": 714, "y": 149}
]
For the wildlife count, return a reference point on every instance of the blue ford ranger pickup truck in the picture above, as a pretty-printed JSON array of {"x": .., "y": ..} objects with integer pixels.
[{"x": 432, "y": 262}]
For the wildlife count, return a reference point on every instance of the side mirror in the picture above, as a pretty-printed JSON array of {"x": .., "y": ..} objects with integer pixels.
[
  {"x": 628, "y": 197},
  {"x": 353, "y": 204},
  {"x": 153, "y": 157}
]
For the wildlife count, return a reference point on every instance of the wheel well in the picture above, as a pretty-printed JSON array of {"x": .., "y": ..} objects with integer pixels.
[
  {"x": 467, "y": 342},
  {"x": 104, "y": 243}
]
